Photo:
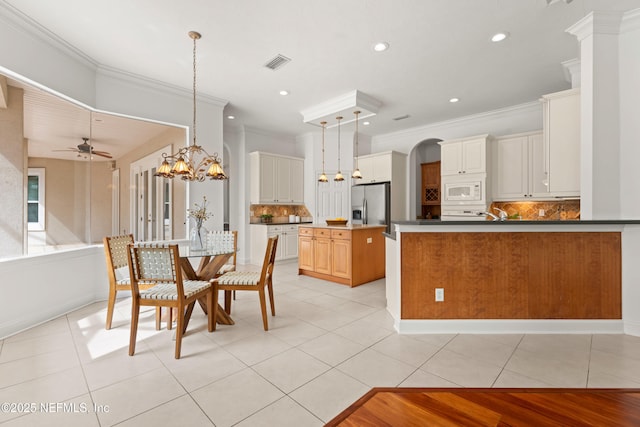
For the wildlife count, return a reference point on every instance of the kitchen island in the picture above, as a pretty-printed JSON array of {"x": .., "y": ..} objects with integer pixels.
[
  {"x": 348, "y": 254},
  {"x": 514, "y": 276}
]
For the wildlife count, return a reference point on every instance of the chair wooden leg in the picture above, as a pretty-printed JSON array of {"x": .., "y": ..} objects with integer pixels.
[
  {"x": 135, "y": 314},
  {"x": 211, "y": 309},
  {"x": 170, "y": 318},
  {"x": 187, "y": 316},
  {"x": 215, "y": 305},
  {"x": 263, "y": 308},
  {"x": 273, "y": 305},
  {"x": 110, "y": 305},
  {"x": 227, "y": 301},
  {"x": 179, "y": 330},
  {"x": 158, "y": 317}
]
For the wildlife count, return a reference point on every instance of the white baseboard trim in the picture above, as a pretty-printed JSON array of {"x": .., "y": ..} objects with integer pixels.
[
  {"x": 632, "y": 328},
  {"x": 511, "y": 326}
]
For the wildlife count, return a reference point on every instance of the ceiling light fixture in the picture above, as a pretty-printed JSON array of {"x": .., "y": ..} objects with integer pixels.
[
  {"x": 498, "y": 37},
  {"x": 186, "y": 163},
  {"x": 230, "y": 117},
  {"x": 366, "y": 123},
  {"x": 323, "y": 177},
  {"x": 284, "y": 92},
  {"x": 454, "y": 100},
  {"x": 356, "y": 173},
  {"x": 339, "y": 176},
  {"x": 381, "y": 46}
]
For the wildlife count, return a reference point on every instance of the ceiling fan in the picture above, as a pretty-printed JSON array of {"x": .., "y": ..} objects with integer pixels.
[{"x": 86, "y": 149}]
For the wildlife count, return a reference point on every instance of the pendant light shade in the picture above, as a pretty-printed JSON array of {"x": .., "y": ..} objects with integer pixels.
[
  {"x": 356, "y": 172},
  {"x": 339, "y": 176},
  {"x": 323, "y": 177}
]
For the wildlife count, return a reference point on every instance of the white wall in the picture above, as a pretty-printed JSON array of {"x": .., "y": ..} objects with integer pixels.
[
  {"x": 629, "y": 123},
  {"x": 42, "y": 287}
]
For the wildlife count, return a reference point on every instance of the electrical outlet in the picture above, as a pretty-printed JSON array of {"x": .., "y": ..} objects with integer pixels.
[
  {"x": 439, "y": 294},
  {"x": 541, "y": 212},
  {"x": 369, "y": 239}
]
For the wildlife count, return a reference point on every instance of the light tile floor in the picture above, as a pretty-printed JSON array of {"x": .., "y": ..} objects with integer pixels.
[{"x": 327, "y": 346}]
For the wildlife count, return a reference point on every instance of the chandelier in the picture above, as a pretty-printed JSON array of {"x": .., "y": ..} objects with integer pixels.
[{"x": 192, "y": 163}]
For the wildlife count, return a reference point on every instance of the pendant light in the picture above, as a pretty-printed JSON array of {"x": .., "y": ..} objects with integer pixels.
[
  {"x": 323, "y": 177},
  {"x": 356, "y": 173},
  {"x": 339, "y": 176},
  {"x": 187, "y": 164}
]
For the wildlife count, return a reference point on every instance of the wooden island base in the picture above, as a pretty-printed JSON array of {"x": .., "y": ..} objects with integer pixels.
[{"x": 350, "y": 255}]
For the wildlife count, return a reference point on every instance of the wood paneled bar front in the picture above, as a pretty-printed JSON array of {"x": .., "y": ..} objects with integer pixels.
[{"x": 514, "y": 277}]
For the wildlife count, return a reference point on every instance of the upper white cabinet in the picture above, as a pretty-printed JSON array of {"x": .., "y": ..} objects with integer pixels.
[
  {"x": 388, "y": 166},
  {"x": 374, "y": 168},
  {"x": 276, "y": 179},
  {"x": 561, "y": 122},
  {"x": 520, "y": 167},
  {"x": 464, "y": 156}
]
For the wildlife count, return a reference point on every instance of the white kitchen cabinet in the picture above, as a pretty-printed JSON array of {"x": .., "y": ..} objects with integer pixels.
[
  {"x": 464, "y": 156},
  {"x": 375, "y": 168},
  {"x": 561, "y": 122},
  {"x": 287, "y": 247},
  {"x": 388, "y": 166},
  {"x": 520, "y": 167},
  {"x": 276, "y": 179}
]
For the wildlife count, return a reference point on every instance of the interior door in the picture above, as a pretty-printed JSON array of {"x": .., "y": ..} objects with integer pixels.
[{"x": 151, "y": 217}]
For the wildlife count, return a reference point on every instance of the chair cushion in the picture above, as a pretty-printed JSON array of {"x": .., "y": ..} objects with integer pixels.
[
  {"x": 239, "y": 278},
  {"x": 168, "y": 291}
]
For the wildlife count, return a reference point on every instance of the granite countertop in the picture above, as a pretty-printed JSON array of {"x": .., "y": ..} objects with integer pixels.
[
  {"x": 521, "y": 222},
  {"x": 347, "y": 227},
  {"x": 518, "y": 225},
  {"x": 280, "y": 223}
]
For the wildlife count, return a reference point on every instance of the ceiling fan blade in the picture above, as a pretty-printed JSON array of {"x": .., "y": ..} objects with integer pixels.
[
  {"x": 68, "y": 149},
  {"x": 102, "y": 154}
]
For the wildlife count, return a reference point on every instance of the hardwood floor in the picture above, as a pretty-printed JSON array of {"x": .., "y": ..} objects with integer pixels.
[{"x": 493, "y": 407}]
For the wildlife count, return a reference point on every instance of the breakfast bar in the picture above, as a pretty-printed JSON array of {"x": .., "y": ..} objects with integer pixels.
[{"x": 514, "y": 276}]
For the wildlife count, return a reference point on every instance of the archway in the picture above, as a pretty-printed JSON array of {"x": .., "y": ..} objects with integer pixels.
[{"x": 425, "y": 151}]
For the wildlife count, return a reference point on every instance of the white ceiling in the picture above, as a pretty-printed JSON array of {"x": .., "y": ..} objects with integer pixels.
[{"x": 439, "y": 49}]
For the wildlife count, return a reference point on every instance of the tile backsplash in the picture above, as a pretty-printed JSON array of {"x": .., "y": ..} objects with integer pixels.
[
  {"x": 280, "y": 213},
  {"x": 551, "y": 210}
]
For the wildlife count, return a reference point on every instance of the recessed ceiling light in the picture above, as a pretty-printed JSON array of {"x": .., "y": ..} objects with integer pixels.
[
  {"x": 381, "y": 46},
  {"x": 366, "y": 123},
  {"x": 230, "y": 117},
  {"x": 452, "y": 100},
  {"x": 284, "y": 92},
  {"x": 498, "y": 37}
]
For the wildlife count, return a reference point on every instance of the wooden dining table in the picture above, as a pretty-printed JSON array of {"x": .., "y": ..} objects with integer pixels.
[{"x": 211, "y": 260}]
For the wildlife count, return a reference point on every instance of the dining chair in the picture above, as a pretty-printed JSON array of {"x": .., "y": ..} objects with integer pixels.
[
  {"x": 115, "y": 250},
  {"x": 159, "y": 264},
  {"x": 250, "y": 281},
  {"x": 227, "y": 237}
]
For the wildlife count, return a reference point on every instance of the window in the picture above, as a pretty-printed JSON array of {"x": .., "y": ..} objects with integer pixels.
[{"x": 35, "y": 199}]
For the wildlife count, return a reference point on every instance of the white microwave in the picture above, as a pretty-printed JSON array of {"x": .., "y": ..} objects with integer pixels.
[{"x": 463, "y": 191}]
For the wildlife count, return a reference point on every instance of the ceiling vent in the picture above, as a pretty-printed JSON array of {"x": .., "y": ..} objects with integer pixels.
[
  {"x": 406, "y": 116},
  {"x": 277, "y": 62}
]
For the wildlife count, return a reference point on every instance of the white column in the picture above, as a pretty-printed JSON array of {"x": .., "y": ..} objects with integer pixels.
[{"x": 598, "y": 34}]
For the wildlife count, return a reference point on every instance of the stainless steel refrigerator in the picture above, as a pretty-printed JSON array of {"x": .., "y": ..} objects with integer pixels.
[{"x": 371, "y": 204}]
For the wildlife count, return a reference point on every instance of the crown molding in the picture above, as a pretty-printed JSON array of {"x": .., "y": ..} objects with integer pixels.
[
  {"x": 630, "y": 21},
  {"x": 418, "y": 131},
  {"x": 157, "y": 85},
  {"x": 343, "y": 105},
  {"x": 597, "y": 22},
  {"x": 28, "y": 26}
]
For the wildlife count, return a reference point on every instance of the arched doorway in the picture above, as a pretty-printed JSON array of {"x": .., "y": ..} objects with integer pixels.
[{"x": 426, "y": 151}]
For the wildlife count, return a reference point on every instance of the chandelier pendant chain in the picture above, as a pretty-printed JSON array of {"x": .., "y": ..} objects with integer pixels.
[{"x": 185, "y": 161}]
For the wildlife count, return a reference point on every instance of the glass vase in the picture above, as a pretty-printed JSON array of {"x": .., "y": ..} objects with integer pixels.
[{"x": 198, "y": 238}]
